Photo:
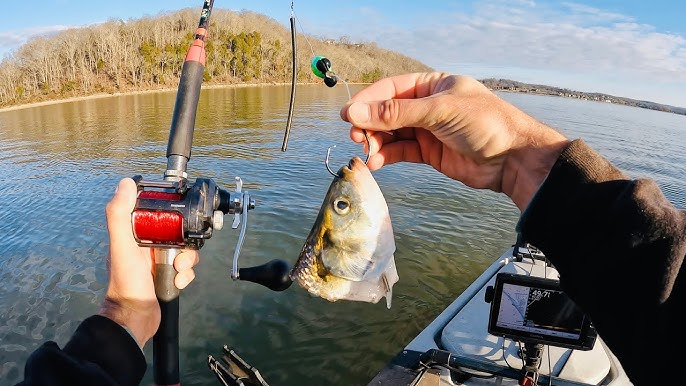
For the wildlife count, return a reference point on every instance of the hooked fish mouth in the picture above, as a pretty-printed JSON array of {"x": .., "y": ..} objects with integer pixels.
[{"x": 355, "y": 163}]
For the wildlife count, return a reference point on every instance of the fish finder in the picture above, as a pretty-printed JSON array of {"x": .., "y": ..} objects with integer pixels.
[{"x": 536, "y": 310}]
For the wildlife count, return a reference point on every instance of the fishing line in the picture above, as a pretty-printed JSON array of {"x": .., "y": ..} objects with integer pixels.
[
  {"x": 322, "y": 68},
  {"x": 302, "y": 29}
]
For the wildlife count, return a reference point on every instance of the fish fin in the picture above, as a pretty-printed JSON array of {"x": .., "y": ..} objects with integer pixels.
[
  {"x": 389, "y": 291},
  {"x": 355, "y": 267},
  {"x": 389, "y": 278}
]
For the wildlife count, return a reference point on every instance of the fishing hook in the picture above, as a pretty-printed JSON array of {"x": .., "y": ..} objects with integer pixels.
[{"x": 328, "y": 155}]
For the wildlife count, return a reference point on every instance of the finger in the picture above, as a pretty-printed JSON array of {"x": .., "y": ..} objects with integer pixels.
[
  {"x": 407, "y": 151},
  {"x": 376, "y": 139},
  {"x": 405, "y": 86},
  {"x": 357, "y": 134},
  {"x": 393, "y": 114},
  {"x": 118, "y": 212},
  {"x": 186, "y": 260},
  {"x": 184, "y": 278}
]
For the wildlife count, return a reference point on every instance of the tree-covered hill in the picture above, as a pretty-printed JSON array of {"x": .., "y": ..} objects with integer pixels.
[{"x": 147, "y": 53}]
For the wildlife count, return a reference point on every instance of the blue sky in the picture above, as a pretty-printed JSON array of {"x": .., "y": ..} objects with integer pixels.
[{"x": 627, "y": 48}]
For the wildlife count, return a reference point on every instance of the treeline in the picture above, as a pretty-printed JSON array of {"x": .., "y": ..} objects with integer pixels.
[
  {"x": 148, "y": 53},
  {"x": 515, "y": 86}
]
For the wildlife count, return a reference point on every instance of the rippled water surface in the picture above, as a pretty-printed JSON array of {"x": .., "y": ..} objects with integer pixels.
[{"x": 60, "y": 165}]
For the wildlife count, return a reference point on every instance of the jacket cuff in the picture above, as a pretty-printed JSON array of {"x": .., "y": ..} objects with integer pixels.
[
  {"x": 579, "y": 188},
  {"x": 107, "y": 344}
]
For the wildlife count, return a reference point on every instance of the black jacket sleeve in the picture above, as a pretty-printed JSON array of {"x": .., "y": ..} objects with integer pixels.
[
  {"x": 100, "y": 352},
  {"x": 619, "y": 247}
]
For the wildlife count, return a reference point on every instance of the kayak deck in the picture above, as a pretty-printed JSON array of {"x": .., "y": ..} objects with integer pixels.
[{"x": 484, "y": 359}]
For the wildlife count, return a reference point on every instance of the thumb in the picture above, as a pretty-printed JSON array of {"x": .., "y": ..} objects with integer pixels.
[
  {"x": 392, "y": 114},
  {"x": 118, "y": 212}
]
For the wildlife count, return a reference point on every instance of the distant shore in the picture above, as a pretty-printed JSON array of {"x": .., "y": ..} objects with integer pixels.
[
  {"x": 509, "y": 85},
  {"x": 122, "y": 93},
  {"x": 501, "y": 85},
  {"x": 75, "y": 99}
]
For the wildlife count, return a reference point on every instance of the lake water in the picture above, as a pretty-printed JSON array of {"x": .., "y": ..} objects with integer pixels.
[{"x": 61, "y": 163}]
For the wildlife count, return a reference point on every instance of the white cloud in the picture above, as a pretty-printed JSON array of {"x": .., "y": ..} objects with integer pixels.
[
  {"x": 625, "y": 47},
  {"x": 568, "y": 42},
  {"x": 587, "y": 14},
  {"x": 14, "y": 39},
  {"x": 571, "y": 38}
]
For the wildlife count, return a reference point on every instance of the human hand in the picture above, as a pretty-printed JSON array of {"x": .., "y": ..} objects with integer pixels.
[
  {"x": 130, "y": 299},
  {"x": 458, "y": 126}
]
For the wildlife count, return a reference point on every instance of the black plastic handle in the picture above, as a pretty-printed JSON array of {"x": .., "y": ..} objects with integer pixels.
[
  {"x": 166, "y": 340},
  {"x": 273, "y": 275}
]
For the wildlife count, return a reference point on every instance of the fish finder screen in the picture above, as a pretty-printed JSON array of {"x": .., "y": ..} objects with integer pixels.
[{"x": 535, "y": 309}]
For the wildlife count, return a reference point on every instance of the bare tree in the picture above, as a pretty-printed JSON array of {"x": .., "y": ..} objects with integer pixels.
[{"x": 149, "y": 53}]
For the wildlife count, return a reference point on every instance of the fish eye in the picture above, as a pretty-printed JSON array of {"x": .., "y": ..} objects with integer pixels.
[{"x": 341, "y": 206}]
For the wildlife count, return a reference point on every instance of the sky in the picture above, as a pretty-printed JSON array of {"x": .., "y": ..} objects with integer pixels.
[{"x": 634, "y": 49}]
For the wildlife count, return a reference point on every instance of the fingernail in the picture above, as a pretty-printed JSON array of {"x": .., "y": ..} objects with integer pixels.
[
  {"x": 359, "y": 112},
  {"x": 116, "y": 190}
]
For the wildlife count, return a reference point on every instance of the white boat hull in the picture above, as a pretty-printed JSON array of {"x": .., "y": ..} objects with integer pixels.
[{"x": 461, "y": 331}]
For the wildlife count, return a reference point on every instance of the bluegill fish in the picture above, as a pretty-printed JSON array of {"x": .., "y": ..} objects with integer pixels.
[{"x": 349, "y": 251}]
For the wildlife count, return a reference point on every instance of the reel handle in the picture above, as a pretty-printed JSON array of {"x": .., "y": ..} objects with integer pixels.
[{"x": 273, "y": 275}]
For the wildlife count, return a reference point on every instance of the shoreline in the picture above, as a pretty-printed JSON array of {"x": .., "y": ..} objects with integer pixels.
[
  {"x": 123, "y": 93},
  {"x": 581, "y": 96}
]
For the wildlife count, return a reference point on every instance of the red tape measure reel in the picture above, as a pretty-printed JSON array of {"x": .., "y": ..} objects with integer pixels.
[
  {"x": 158, "y": 226},
  {"x": 177, "y": 214}
]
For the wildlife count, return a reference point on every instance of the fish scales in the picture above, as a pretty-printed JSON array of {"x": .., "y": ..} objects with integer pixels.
[{"x": 349, "y": 253}]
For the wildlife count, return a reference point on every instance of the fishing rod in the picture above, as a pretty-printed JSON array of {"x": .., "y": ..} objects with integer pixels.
[{"x": 173, "y": 214}]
